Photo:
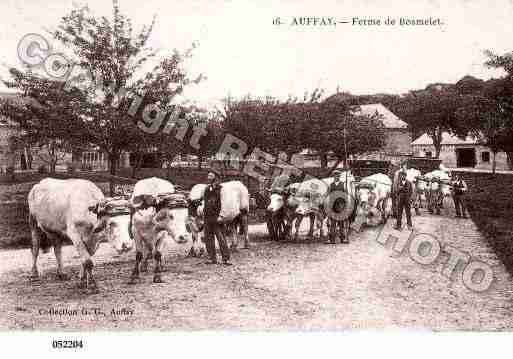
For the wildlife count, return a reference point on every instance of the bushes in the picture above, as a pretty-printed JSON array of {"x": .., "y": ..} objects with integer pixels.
[
  {"x": 490, "y": 208},
  {"x": 42, "y": 169}
]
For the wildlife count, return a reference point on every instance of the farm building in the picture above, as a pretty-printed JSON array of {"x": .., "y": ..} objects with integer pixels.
[
  {"x": 460, "y": 153},
  {"x": 398, "y": 136}
]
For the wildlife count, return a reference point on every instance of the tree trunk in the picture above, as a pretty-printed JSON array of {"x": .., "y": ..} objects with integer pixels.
[
  {"x": 324, "y": 160},
  {"x": 53, "y": 159},
  {"x": 168, "y": 168},
  {"x": 168, "y": 171},
  {"x": 137, "y": 165},
  {"x": 113, "y": 163},
  {"x": 494, "y": 163}
]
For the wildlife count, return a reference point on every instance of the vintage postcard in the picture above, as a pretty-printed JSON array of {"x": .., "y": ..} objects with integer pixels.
[{"x": 255, "y": 166}]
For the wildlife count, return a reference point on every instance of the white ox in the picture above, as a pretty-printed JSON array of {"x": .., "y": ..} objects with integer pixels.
[
  {"x": 75, "y": 209},
  {"x": 297, "y": 201},
  {"x": 159, "y": 218},
  {"x": 419, "y": 187},
  {"x": 373, "y": 193},
  {"x": 234, "y": 213},
  {"x": 309, "y": 198},
  {"x": 304, "y": 199},
  {"x": 438, "y": 188},
  {"x": 280, "y": 212}
]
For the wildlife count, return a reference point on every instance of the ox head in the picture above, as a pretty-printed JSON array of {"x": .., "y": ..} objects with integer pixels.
[
  {"x": 307, "y": 202},
  {"x": 441, "y": 186},
  {"x": 365, "y": 195},
  {"x": 421, "y": 184},
  {"x": 445, "y": 188},
  {"x": 277, "y": 201},
  {"x": 113, "y": 216},
  {"x": 281, "y": 199},
  {"x": 171, "y": 215}
]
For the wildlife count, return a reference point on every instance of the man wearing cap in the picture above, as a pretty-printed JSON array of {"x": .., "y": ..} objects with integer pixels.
[
  {"x": 459, "y": 191},
  {"x": 213, "y": 228},
  {"x": 404, "y": 190},
  {"x": 395, "y": 187},
  {"x": 336, "y": 189}
]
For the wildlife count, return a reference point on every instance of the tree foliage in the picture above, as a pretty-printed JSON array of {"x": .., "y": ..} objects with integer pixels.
[
  {"x": 292, "y": 126},
  {"x": 108, "y": 76}
]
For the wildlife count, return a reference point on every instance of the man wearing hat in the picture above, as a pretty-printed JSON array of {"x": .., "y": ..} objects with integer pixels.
[
  {"x": 395, "y": 186},
  {"x": 459, "y": 196},
  {"x": 213, "y": 229},
  {"x": 338, "y": 205},
  {"x": 404, "y": 190}
]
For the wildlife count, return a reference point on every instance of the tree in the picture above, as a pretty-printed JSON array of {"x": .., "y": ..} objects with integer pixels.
[
  {"x": 52, "y": 153},
  {"x": 95, "y": 105},
  {"x": 211, "y": 138},
  {"x": 433, "y": 111},
  {"x": 334, "y": 128},
  {"x": 501, "y": 91},
  {"x": 326, "y": 127},
  {"x": 487, "y": 121}
]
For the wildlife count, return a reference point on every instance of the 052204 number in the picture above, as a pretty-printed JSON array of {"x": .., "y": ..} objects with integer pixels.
[{"x": 67, "y": 344}]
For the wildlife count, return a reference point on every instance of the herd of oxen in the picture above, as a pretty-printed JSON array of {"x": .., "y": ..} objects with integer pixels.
[{"x": 156, "y": 213}]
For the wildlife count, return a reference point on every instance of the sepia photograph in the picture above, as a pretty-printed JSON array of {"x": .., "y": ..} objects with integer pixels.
[{"x": 255, "y": 166}]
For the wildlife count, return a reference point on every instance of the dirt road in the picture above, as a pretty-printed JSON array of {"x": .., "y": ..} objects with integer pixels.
[{"x": 304, "y": 285}]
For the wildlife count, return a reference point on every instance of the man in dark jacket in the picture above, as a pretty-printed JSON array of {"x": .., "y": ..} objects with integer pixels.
[
  {"x": 339, "y": 204},
  {"x": 403, "y": 167},
  {"x": 213, "y": 229},
  {"x": 404, "y": 192},
  {"x": 459, "y": 196}
]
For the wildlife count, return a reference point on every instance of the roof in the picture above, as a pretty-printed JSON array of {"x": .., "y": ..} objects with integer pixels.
[
  {"x": 447, "y": 139},
  {"x": 387, "y": 117}
]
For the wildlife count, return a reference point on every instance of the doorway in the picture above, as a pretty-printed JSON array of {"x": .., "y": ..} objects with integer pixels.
[{"x": 465, "y": 157}]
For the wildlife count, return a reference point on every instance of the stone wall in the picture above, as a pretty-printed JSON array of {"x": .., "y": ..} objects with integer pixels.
[{"x": 398, "y": 141}]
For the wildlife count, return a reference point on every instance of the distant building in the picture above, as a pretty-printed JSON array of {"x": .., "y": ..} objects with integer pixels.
[
  {"x": 97, "y": 160},
  {"x": 16, "y": 154},
  {"x": 460, "y": 153},
  {"x": 398, "y": 137}
]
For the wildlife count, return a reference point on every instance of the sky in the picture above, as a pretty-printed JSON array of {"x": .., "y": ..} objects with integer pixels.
[{"x": 241, "y": 52}]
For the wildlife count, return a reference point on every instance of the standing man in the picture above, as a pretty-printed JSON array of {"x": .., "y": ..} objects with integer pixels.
[
  {"x": 395, "y": 187},
  {"x": 403, "y": 195},
  {"x": 213, "y": 227},
  {"x": 459, "y": 196},
  {"x": 338, "y": 206}
]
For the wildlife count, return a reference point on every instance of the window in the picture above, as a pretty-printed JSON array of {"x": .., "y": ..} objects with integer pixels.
[
  {"x": 485, "y": 156},
  {"x": 429, "y": 154}
]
